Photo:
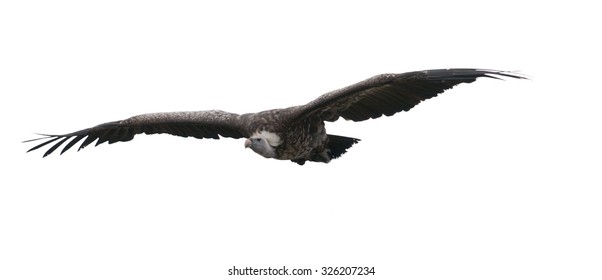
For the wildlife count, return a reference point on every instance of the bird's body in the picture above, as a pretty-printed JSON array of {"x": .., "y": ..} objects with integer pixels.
[{"x": 296, "y": 133}]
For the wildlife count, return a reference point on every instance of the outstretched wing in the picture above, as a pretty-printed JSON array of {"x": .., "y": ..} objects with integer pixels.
[
  {"x": 388, "y": 94},
  {"x": 201, "y": 124}
]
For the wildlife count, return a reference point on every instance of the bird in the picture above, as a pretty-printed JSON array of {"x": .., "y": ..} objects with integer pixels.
[{"x": 295, "y": 133}]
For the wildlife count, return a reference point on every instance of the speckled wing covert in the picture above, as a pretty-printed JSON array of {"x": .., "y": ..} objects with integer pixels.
[
  {"x": 201, "y": 124},
  {"x": 388, "y": 94}
]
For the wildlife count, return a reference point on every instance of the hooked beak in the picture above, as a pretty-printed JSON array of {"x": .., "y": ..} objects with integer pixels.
[{"x": 247, "y": 143}]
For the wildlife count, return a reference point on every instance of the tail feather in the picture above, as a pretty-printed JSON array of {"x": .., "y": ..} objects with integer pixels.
[{"x": 338, "y": 145}]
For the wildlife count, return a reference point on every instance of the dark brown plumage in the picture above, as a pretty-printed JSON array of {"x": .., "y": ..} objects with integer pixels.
[{"x": 295, "y": 133}]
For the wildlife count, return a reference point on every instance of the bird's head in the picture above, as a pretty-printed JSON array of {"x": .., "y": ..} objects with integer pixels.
[
  {"x": 263, "y": 143},
  {"x": 261, "y": 146}
]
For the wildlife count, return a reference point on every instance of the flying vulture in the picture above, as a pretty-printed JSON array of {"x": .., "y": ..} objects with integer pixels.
[{"x": 296, "y": 133}]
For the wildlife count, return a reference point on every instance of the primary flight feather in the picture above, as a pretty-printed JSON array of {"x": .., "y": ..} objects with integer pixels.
[{"x": 295, "y": 133}]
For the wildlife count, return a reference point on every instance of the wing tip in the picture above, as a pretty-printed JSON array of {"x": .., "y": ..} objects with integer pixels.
[
  {"x": 472, "y": 74},
  {"x": 500, "y": 74},
  {"x": 45, "y": 136}
]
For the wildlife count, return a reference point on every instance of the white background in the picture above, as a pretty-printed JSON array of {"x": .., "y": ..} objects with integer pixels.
[{"x": 491, "y": 180}]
